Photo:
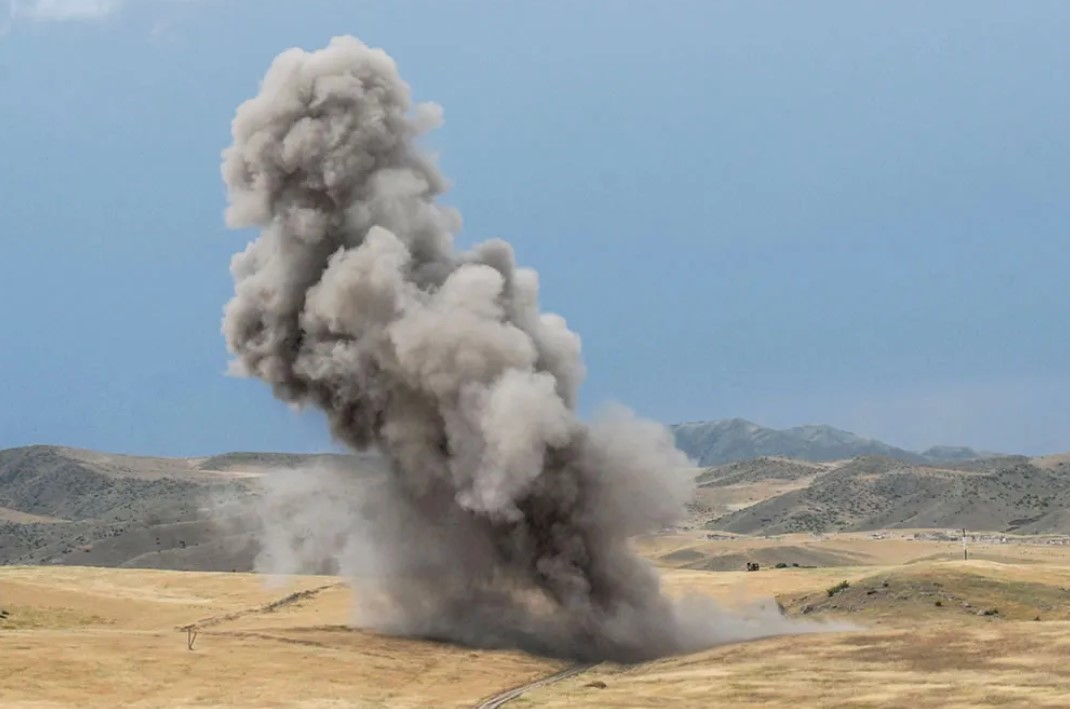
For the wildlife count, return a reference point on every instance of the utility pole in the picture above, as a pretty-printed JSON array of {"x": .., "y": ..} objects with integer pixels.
[{"x": 965, "y": 553}]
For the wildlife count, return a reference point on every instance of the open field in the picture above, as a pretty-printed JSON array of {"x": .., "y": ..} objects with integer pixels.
[
  {"x": 937, "y": 665},
  {"x": 76, "y": 636},
  {"x": 106, "y": 637}
]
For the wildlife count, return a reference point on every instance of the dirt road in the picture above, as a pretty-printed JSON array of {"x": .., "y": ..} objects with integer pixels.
[{"x": 500, "y": 699}]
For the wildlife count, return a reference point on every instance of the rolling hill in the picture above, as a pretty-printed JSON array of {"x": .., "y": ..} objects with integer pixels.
[
  {"x": 70, "y": 506},
  {"x": 729, "y": 440},
  {"x": 1010, "y": 494}
]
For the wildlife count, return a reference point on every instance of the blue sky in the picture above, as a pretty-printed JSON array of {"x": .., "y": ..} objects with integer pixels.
[{"x": 852, "y": 213}]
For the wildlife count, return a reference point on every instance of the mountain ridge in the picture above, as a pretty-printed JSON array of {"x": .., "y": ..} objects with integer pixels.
[{"x": 724, "y": 441}]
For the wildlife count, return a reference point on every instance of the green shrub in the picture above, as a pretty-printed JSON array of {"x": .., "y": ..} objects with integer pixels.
[{"x": 842, "y": 585}]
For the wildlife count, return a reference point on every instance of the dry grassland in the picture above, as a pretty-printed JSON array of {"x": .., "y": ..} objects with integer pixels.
[{"x": 111, "y": 637}]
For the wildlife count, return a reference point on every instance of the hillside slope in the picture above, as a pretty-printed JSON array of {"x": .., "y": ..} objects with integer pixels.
[
  {"x": 729, "y": 440},
  {"x": 1007, "y": 494},
  {"x": 70, "y": 506}
]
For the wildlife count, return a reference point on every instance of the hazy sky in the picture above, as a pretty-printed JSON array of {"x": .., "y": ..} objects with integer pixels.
[{"x": 852, "y": 213}]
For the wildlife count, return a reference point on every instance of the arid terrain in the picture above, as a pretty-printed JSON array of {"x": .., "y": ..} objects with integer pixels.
[
  {"x": 931, "y": 631},
  {"x": 120, "y": 587},
  {"x": 85, "y": 508}
]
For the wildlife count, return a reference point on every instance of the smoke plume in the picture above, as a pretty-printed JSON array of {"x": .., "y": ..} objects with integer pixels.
[{"x": 503, "y": 519}]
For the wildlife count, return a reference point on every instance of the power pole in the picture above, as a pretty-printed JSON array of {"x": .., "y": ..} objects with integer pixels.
[{"x": 965, "y": 553}]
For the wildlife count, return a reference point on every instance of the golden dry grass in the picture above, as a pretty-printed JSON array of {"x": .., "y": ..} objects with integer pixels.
[
  {"x": 110, "y": 637},
  {"x": 933, "y": 666}
]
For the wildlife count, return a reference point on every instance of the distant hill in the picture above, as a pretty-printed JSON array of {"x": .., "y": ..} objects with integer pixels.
[
  {"x": 729, "y": 440},
  {"x": 1010, "y": 494},
  {"x": 69, "y": 506}
]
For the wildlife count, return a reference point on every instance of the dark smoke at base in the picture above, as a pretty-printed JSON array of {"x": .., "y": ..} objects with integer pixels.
[{"x": 503, "y": 520}]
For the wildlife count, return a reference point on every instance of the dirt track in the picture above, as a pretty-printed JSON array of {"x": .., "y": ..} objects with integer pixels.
[{"x": 500, "y": 699}]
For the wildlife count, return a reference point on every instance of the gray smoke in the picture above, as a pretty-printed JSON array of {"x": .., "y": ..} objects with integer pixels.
[{"x": 503, "y": 520}]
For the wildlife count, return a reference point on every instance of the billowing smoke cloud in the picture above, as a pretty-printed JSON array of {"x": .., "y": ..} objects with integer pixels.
[{"x": 503, "y": 520}]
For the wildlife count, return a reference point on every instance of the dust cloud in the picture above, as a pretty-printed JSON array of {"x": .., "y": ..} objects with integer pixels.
[{"x": 499, "y": 518}]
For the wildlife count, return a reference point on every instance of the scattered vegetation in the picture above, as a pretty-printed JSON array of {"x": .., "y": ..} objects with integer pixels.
[{"x": 1007, "y": 495}]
